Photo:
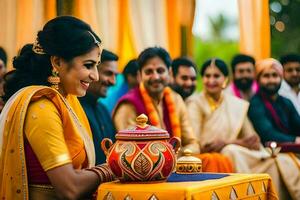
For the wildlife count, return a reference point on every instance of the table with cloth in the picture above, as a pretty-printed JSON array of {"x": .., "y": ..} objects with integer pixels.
[{"x": 194, "y": 186}]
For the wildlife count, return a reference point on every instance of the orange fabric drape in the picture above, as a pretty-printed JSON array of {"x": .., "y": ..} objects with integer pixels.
[
  {"x": 254, "y": 28},
  {"x": 126, "y": 46},
  {"x": 50, "y": 9},
  {"x": 187, "y": 12},
  {"x": 215, "y": 162},
  {"x": 20, "y": 20},
  {"x": 173, "y": 26},
  {"x": 8, "y": 29},
  {"x": 86, "y": 11},
  {"x": 30, "y": 19}
]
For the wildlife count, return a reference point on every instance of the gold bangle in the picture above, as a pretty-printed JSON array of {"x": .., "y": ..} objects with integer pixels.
[
  {"x": 109, "y": 176},
  {"x": 103, "y": 172}
]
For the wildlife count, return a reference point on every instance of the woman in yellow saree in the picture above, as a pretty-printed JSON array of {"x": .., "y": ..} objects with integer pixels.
[
  {"x": 221, "y": 124},
  {"x": 47, "y": 150}
]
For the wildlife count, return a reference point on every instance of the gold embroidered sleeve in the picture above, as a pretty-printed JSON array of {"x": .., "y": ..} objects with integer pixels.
[{"x": 44, "y": 130}]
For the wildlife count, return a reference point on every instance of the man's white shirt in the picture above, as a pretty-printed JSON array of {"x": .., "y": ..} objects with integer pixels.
[{"x": 287, "y": 92}]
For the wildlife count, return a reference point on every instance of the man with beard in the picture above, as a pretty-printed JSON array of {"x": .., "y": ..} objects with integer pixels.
[
  {"x": 98, "y": 116},
  {"x": 164, "y": 107},
  {"x": 274, "y": 117},
  {"x": 290, "y": 86},
  {"x": 184, "y": 73},
  {"x": 243, "y": 85}
]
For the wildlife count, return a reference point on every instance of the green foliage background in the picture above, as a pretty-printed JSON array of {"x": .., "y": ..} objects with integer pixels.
[
  {"x": 204, "y": 50},
  {"x": 282, "y": 42},
  {"x": 287, "y": 41}
]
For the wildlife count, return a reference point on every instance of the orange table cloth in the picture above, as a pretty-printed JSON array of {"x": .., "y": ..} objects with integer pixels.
[{"x": 234, "y": 186}]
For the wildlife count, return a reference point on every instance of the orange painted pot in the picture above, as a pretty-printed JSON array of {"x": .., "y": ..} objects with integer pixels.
[{"x": 142, "y": 153}]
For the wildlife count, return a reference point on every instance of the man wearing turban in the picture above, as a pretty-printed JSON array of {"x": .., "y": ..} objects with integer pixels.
[{"x": 276, "y": 119}]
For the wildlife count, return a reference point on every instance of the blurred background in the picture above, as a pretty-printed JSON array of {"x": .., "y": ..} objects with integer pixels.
[{"x": 197, "y": 28}]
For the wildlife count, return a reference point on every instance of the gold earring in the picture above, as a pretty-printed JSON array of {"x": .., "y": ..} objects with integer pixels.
[
  {"x": 225, "y": 83},
  {"x": 54, "y": 79}
]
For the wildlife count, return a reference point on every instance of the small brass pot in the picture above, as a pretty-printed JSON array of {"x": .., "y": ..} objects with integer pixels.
[{"x": 188, "y": 164}]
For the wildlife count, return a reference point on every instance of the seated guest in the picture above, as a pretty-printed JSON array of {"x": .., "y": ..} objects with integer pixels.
[
  {"x": 130, "y": 73},
  {"x": 46, "y": 146},
  {"x": 98, "y": 116},
  {"x": 273, "y": 116},
  {"x": 164, "y": 107},
  {"x": 243, "y": 71},
  {"x": 124, "y": 82},
  {"x": 290, "y": 85},
  {"x": 184, "y": 73},
  {"x": 221, "y": 125}
]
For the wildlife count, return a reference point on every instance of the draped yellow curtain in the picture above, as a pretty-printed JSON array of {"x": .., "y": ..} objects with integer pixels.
[
  {"x": 30, "y": 19},
  {"x": 20, "y": 20},
  {"x": 148, "y": 22},
  {"x": 173, "y": 27},
  {"x": 129, "y": 26},
  {"x": 86, "y": 10},
  {"x": 187, "y": 13},
  {"x": 127, "y": 50},
  {"x": 8, "y": 29},
  {"x": 108, "y": 19},
  {"x": 49, "y": 9},
  {"x": 254, "y": 28}
]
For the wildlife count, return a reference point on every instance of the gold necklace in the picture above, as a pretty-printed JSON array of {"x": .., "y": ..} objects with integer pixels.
[{"x": 213, "y": 104}]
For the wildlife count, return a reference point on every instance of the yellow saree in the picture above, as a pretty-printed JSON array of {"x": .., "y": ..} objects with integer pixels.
[{"x": 13, "y": 172}]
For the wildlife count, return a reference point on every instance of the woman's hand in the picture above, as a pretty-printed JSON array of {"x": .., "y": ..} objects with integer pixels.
[
  {"x": 76, "y": 184},
  {"x": 251, "y": 142},
  {"x": 215, "y": 146}
]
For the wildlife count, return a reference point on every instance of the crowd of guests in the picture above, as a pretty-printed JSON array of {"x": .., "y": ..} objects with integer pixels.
[{"x": 55, "y": 118}]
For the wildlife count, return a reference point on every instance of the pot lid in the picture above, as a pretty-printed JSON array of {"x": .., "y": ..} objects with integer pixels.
[
  {"x": 142, "y": 131},
  {"x": 188, "y": 164},
  {"x": 188, "y": 157}
]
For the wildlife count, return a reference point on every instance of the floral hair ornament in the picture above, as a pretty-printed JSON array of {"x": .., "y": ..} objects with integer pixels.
[{"x": 37, "y": 48}]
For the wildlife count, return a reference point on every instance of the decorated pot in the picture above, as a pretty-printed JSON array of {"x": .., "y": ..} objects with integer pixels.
[
  {"x": 141, "y": 153},
  {"x": 188, "y": 164}
]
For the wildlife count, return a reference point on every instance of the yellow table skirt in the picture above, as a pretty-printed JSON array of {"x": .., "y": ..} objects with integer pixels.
[{"x": 235, "y": 186}]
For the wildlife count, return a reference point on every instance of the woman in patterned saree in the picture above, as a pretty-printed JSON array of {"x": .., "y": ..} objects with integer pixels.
[
  {"x": 221, "y": 124},
  {"x": 46, "y": 145}
]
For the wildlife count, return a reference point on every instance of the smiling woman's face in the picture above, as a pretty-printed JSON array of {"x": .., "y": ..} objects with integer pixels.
[
  {"x": 77, "y": 74},
  {"x": 213, "y": 80}
]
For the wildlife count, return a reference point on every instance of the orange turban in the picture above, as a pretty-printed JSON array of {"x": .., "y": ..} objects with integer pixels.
[{"x": 267, "y": 64}]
